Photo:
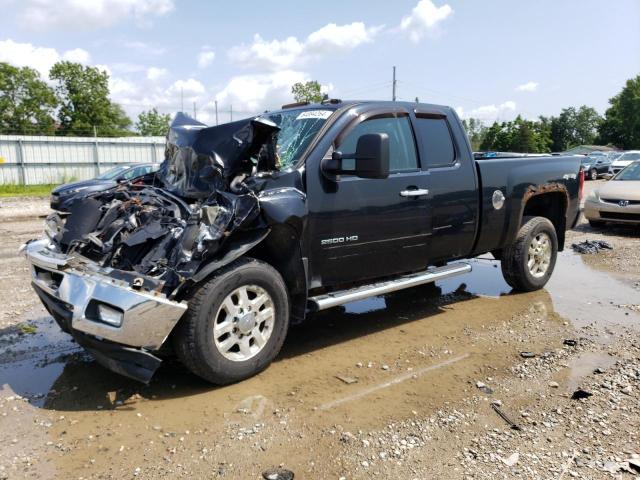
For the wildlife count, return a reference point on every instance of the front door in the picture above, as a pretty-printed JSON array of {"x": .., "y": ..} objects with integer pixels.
[{"x": 367, "y": 228}]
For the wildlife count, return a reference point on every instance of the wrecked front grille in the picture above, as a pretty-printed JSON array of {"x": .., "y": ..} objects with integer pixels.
[{"x": 147, "y": 231}]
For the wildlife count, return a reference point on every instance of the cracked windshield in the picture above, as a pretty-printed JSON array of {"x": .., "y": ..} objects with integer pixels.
[{"x": 297, "y": 129}]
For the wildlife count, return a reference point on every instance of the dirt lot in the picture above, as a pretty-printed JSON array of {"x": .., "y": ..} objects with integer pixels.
[{"x": 406, "y": 386}]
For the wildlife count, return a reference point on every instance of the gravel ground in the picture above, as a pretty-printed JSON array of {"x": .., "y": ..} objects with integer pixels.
[{"x": 407, "y": 386}]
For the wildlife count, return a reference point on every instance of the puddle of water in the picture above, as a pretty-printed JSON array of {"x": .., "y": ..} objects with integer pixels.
[
  {"x": 49, "y": 361},
  {"x": 585, "y": 364},
  {"x": 584, "y": 295},
  {"x": 30, "y": 365},
  {"x": 484, "y": 280}
]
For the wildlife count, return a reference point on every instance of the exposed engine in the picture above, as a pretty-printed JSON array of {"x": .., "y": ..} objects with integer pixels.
[{"x": 168, "y": 224}]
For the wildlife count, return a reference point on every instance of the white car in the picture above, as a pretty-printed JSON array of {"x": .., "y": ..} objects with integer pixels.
[{"x": 625, "y": 159}]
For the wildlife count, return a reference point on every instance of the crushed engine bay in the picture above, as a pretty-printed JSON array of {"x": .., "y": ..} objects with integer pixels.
[{"x": 168, "y": 225}]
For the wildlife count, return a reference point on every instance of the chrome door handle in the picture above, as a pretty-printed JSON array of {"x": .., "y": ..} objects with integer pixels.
[{"x": 418, "y": 192}]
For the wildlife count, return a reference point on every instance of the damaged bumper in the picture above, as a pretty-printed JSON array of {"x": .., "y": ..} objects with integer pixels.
[{"x": 117, "y": 321}]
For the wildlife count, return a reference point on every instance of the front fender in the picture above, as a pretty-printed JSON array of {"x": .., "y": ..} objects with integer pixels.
[{"x": 235, "y": 249}]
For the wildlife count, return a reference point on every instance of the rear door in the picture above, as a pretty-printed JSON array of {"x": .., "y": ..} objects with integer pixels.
[
  {"x": 453, "y": 193},
  {"x": 366, "y": 228}
]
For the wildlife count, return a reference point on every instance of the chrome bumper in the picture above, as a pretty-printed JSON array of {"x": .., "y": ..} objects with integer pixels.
[{"x": 148, "y": 317}]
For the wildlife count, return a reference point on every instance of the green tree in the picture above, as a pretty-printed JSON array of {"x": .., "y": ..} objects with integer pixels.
[
  {"x": 519, "y": 135},
  {"x": 574, "y": 127},
  {"x": 153, "y": 123},
  {"x": 490, "y": 137},
  {"x": 307, "y": 92},
  {"x": 524, "y": 138},
  {"x": 542, "y": 130},
  {"x": 83, "y": 94},
  {"x": 476, "y": 131},
  {"x": 621, "y": 126},
  {"x": 27, "y": 103}
]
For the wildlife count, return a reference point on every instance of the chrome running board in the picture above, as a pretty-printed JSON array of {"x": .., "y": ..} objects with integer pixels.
[{"x": 333, "y": 299}]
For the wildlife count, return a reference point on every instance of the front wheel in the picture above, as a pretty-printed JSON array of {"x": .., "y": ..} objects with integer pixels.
[
  {"x": 593, "y": 174},
  {"x": 236, "y": 323},
  {"x": 528, "y": 263}
]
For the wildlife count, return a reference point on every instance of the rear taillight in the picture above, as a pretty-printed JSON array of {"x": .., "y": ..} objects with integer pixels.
[{"x": 580, "y": 183}]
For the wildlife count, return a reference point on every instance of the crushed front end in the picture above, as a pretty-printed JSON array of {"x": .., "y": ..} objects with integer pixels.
[{"x": 114, "y": 272}]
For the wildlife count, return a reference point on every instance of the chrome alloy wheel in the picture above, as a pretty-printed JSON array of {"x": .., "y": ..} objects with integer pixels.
[
  {"x": 539, "y": 257},
  {"x": 244, "y": 323}
]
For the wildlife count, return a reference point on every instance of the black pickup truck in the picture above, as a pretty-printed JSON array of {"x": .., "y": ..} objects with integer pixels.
[{"x": 249, "y": 226}]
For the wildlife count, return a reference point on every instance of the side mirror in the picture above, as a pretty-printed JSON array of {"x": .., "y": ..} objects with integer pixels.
[{"x": 371, "y": 156}]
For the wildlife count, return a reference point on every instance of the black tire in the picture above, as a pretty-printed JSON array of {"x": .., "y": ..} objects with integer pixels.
[
  {"x": 515, "y": 256},
  {"x": 593, "y": 174},
  {"x": 597, "y": 223},
  {"x": 194, "y": 342}
]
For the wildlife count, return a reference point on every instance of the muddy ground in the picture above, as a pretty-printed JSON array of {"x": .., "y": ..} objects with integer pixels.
[{"x": 406, "y": 386}]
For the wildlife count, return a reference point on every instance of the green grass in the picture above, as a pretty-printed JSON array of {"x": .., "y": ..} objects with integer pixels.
[{"x": 25, "y": 190}]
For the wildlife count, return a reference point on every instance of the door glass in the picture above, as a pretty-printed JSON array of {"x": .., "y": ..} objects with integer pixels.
[
  {"x": 436, "y": 145},
  {"x": 402, "y": 149}
]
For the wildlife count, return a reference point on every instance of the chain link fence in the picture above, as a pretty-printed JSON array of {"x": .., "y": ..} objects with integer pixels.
[{"x": 38, "y": 160}]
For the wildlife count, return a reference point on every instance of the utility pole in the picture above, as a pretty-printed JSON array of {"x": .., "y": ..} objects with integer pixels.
[
  {"x": 215, "y": 102},
  {"x": 393, "y": 94},
  {"x": 230, "y": 113}
]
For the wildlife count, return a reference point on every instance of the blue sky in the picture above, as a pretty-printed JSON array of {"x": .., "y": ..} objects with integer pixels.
[{"x": 489, "y": 59}]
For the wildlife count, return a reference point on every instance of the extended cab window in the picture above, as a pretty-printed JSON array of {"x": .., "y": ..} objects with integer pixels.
[
  {"x": 436, "y": 145},
  {"x": 402, "y": 149}
]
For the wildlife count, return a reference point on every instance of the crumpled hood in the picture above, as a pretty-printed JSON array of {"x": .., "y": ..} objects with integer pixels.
[{"x": 200, "y": 160}]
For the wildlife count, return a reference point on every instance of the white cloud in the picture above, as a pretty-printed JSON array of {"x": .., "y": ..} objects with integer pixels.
[
  {"x": 28, "y": 55},
  {"x": 38, "y": 58},
  {"x": 255, "y": 93},
  {"x": 424, "y": 18},
  {"x": 155, "y": 73},
  {"x": 492, "y": 112},
  {"x": 527, "y": 87},
  {"x": 119, "y": 87},
  {"x": 332, "y": 37},
  {"x": 77, "y": 55},
  {"x": 89, "y": 15},
  {"x": 190, "y": 89},
  {"x": 205, "y": 58},
  {"x": 282, "y": 54}
]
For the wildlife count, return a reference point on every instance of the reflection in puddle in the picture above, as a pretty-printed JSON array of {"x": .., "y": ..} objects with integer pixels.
[
  {"x": 485, "y": 280},
  {"x": 31, "y": 365}
]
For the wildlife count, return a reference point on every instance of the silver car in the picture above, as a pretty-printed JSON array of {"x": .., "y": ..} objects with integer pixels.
[{"x": 617, "y": 201}]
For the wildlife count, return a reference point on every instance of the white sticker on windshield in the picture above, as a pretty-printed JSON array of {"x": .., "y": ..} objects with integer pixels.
[{"x": 324, "y": 114}]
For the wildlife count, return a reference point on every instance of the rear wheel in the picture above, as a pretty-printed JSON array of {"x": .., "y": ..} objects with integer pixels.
[
  {"x": 528, "y": 263},
  {"x": 236, "y": 323},
  {"x": 593, "y": 174}
]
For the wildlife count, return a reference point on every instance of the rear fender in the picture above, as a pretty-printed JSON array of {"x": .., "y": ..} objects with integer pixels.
[{"x": 549, "y": 200}]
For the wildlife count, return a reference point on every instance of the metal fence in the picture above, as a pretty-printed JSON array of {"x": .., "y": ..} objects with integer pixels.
[{"x": 33, "y": 160}]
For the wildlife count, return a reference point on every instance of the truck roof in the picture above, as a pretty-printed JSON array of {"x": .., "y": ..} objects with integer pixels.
[{"x": 335, "y": 104}]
